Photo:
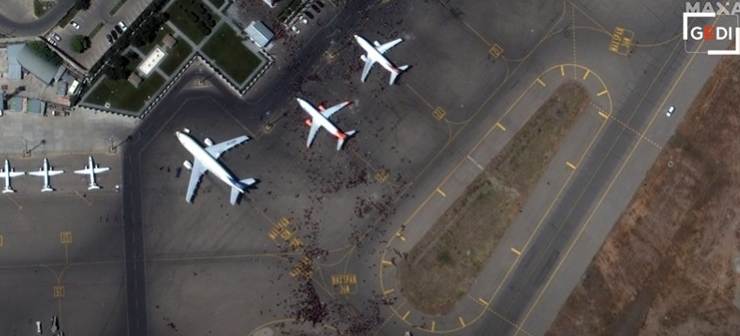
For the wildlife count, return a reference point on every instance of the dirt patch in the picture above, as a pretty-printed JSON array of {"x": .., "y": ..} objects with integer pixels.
[
  {"x": 667, "y": 266},
  {"x": 442, "y": 266}
]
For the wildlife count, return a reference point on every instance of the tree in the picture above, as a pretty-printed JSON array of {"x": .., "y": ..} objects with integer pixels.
[
  {"x": 83, "y": 4},
  {"x": 80, "y": 43},
  {"x": 117, "y": 67}
]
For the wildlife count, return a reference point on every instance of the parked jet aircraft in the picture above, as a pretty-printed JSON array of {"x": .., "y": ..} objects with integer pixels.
[
  {"x": 205, "y": 159},
  {"x": 374, "y": 53},
  {"x": 8, "y": 173},
  {"x": 46, "y": 171},
  {"x": 320, "y": 118},
  {"x": 90, "y": 170}
]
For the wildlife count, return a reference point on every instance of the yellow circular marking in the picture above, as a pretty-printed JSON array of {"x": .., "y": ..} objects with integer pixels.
[{"x": 600, "y": 91}]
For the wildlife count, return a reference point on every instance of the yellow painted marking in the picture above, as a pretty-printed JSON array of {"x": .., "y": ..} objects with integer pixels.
[
  {"x": 65, "y": 237},
  {"x": 388, "y": 291},
  {"x": 58, "y": 292},
  {"x": 387, "y": 263},
  {"x": 483, "y": 302},
  {"x": 602, "y": 93},
  {"x": 405, "y": 315},
  {"x": 586, "y": 74},
  {"x": 570, "y": 165},
  {"x": 539, "y": 81},
  {"x": 562, "y": 71},
  {"x": 501, "y": 127},
  {"x": 603, "y": 115},
  {"x": 382, "y": 175},
  {"x": 441, "y": 192},
  {"x": 462, "y": 322},
  {"x": 516, "y": 251},
  {"x": 439, "y": 113},
  {"x": 434, "y": 325},
  {"x": 496, "y": 50}
]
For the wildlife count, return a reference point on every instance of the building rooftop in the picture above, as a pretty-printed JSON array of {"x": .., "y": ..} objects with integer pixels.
[
  {"x": 168, "y": 41},
  {"x": 15, "y": 104},
  {"x": 259, "y": 33},
  {"x": 36, "y": 106},
  {"x": 14, "y": 67},
  {"x": 43, "y": 69},
  {"x": 151, "y": 61}
]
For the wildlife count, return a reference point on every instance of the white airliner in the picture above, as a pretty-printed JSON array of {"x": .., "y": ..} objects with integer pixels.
[
  {"x": 9, "y": 173},
  {"x": 320, "y": 118},
  {"x": 205, "y": 159},
  {"x": 46, "y": 171},
  {"x": 374, "y": 53},
  {"x": 90, "y": 170}
]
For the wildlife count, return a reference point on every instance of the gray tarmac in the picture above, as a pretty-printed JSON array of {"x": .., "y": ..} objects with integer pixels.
[{"x": 212, "y": 268}]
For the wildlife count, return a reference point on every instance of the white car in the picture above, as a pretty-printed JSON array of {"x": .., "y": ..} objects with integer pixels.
[
  {"x": 75, "y": 25},
  {"x": 56, "y": 36},
  {"x": 122, "y": 25},
  {"x": 670, "y": 111},
  {"x": 38, "y": 327}
]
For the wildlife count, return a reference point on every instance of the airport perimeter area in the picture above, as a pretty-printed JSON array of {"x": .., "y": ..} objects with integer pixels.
[{"x": 471, "y": 200}]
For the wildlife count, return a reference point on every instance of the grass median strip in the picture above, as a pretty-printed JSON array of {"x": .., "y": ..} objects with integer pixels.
[{"x": 442, "y": 266}]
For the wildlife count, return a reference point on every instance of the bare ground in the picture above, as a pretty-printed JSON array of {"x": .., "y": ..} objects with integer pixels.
[
  {"x": 442, "y": 266},
  {"x": 667, "y": 266}
]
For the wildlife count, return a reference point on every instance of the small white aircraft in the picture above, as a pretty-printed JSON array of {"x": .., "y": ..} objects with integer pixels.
[
  {"x": 205, "y": 159},
  {"x": 374, "y": 53},
  {"x": 8, "y": 173},
  {"x": 320, "y": 118},
  {"x": 46, "y": 171},
  {"x": 90, "y": 170}
]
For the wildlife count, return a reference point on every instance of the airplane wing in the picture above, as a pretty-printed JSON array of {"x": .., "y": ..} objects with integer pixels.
[
  {"x": 55, "y": 172},
  {"x": 382, "y": 48},
  {"x": 37, "y": 173},
  {"x": 312, "y": 133},
  {"x": 218, "y": 149},
  {"x": 366, "y": 70},
  {"x": 83, "y": 171},
  {"x": 99, "y": 170},
  {"x": 328, "y": 112},
  {"x": 195, "y": 174},
  {"x": 14, "y": 174}
]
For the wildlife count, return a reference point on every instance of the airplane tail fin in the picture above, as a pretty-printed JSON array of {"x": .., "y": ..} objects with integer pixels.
[
  {"x": 243, "y": 184},
  {"x": 340, "y": 141},
  {"x": 8, "y": 191},
  {"x": 93, "y": 187},
  {"x": 394, "y": 75},
  {"x": 47, "y": 189}
]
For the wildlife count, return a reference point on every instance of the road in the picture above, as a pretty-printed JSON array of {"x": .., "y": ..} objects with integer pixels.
[{"x": 37, "y": 27}]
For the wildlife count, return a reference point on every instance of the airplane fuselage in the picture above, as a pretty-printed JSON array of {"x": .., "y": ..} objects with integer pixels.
[
  {"x": 210, "y": 163},
  {"x": 317, "y": 117},
  {"x": 375, "y": 55}
]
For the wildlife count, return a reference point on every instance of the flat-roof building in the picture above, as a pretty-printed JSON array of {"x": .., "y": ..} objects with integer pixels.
[
  {"x": 43, "y": 69},
  {"x": 259, "y": 33},
  {"x": 151, "y": 61},
  {"x": 15, "y": 72}
]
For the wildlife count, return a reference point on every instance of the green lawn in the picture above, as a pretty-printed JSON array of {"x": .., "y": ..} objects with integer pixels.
[
  {"x": 217, "y": 3},
  {"x": 227, "y": 50},
  {"x": 160, "y": 34},
  {"x": 182, "y": 15},
  {"x": 122, "y": 95},
  {"x": 175, "y": 56}
]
